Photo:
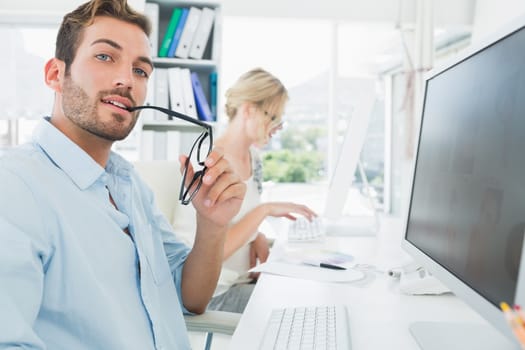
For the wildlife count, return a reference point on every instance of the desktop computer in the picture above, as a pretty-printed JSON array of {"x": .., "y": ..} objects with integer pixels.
[
  {"x": 336, "y": 219},
  {"x": 466, "y": 217}
]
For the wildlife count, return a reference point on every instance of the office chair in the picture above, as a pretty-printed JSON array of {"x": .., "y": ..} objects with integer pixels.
[
  {"x": 164, "y": 178},
  {"x": 212, "y": 322}
]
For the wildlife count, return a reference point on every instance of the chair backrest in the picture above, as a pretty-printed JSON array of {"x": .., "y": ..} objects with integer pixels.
[{"x": 164, "y": 178}]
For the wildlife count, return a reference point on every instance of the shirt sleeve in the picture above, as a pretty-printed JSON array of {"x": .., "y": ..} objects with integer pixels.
[
  {"x": 22, "y": 262},
  {"x": 176, "y": 252}
]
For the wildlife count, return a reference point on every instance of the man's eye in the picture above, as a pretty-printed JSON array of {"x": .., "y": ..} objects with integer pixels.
[
  {"x": 103, "y": 57},
  {"x": 140, "y": 72}
]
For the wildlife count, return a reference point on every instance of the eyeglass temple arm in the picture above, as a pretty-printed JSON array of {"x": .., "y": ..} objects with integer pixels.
[{"x": 173, "y": 114}]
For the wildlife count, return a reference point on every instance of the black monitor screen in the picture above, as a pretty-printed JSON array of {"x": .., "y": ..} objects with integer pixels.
[{"x": 467, "y": 210}]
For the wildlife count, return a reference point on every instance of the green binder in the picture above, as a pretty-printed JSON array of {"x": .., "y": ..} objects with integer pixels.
[{"x": 165, "y": 46}]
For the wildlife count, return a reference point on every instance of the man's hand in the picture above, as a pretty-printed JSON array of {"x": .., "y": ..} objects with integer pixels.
[
  {"x": 222, "y": 192},
  {"x": 217, "y": 202}
]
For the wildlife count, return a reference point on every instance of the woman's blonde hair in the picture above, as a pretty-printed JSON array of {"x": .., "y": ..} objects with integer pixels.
[{"x": 259, "y": 88}]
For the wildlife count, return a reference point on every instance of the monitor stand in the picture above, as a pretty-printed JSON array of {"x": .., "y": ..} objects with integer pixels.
[{"x": 458, "y": 336}]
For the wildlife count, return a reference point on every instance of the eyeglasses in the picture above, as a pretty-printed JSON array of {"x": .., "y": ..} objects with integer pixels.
[
  {"x": 202, "y": 147},
  {"x": 276, "y": 122},
  {"x": 273, "y": 118}
]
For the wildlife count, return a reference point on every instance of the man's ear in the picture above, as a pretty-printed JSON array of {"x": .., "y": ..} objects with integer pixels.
[{"x": 54, "y": 74}]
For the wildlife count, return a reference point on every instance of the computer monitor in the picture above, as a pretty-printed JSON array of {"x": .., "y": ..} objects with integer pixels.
[
  {"x": 466, "y": 216},
  {"x": 347, "y": 165}
]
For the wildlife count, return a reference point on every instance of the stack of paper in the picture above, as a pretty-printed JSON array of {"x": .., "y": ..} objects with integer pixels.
[{"x": 314, "y": 264}]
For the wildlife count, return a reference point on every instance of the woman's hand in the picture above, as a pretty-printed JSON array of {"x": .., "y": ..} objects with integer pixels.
[
  {"x": 288, "y": 210},
  {"x": 259, "y": 251}
]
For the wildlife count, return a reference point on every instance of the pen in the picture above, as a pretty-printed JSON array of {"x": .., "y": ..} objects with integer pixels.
[
  {"x": 519, "y": 312},
  {"x": 512, "y": 315},
  {"x": 330, "y": 266},
  {"x": 324, "y": 265},
  {"x": 515, "y": 320}
]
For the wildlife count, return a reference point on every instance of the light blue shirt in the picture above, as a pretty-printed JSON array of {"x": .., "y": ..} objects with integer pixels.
[{"x": 70, "y": 277}]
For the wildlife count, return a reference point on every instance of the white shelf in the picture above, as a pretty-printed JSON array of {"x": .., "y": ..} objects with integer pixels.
[
  {"x": 172, "y": 125},
  {"x": 166, "y": 62},
  {"x": 203, "y": 67}
]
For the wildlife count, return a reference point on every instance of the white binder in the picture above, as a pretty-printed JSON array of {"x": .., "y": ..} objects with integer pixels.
[
  {"x": 176, "y": 95},
  {"x": 186, "y": 38},
  {"x": 202, "y": 33},
  {"x": 151, "y": 10},
  {"x": 187, "y": 93},
  {"x": 161, "y": 92}
]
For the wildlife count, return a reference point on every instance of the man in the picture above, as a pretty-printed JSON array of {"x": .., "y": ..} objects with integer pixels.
[{"x": 87, "y": 261}]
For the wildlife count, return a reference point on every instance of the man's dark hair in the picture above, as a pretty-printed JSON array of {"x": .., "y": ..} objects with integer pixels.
[{"x": 73, "y": 24}]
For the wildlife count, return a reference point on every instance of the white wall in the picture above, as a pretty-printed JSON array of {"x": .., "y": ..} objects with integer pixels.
[
  {"x": 50, "y": 6},
  {"x": 489, "y": 15},
  {"x": 446, "y": 11},
  {"x": 40, "y": 6}
]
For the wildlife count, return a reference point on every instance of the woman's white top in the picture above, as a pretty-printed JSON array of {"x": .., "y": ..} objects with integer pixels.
[{"x": 234, "y": 269}]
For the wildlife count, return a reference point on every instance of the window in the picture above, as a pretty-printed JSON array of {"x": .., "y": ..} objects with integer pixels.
[
  {"x": 25, "y": 98},
  {"x": 322, "y": 64}
]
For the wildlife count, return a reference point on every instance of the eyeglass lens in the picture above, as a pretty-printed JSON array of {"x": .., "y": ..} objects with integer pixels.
[
  {"x": 204, "y": 144},
  {"x": 199, "y": 152}
]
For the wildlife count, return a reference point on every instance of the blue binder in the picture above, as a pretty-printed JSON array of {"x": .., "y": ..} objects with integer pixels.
[
  {"x": 213, "y": 94},
  {"x": 177, "y": 33},
  {"x": 203, "y": 108}
]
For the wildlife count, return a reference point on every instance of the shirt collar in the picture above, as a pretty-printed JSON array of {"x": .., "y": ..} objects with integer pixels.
[{"x": 73, "y": 160}]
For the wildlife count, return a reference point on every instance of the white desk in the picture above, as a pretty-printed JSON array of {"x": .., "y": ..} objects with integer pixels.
[{"x": 379, "y": 314}]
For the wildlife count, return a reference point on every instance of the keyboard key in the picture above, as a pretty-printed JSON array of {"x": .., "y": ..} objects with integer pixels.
[
  {"x": 313, "y": 327},
  {"x": 303, "y": 230}
]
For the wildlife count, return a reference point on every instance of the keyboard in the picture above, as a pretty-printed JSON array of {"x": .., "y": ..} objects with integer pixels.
[
  {"x": 303, "y": 230},
  {"x": 311, "y": 327}
]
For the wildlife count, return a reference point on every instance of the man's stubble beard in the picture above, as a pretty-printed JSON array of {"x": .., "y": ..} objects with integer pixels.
[{"x": 83, "y": 113}]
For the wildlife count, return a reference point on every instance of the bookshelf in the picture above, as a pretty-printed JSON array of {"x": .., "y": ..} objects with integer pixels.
[{"x": 162, "y": 138}]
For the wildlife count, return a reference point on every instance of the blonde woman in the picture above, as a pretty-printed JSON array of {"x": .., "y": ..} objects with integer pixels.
[{"x": 254, "y": 106}]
